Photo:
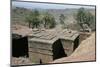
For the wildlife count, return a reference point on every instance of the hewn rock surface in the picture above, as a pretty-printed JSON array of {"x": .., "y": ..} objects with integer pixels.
[{"x": 85, "y": 52}]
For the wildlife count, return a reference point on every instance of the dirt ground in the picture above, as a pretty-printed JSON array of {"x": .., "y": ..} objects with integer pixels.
[
  {"x": 20, "y": 61},
  {"x": 85, "y": 52}
]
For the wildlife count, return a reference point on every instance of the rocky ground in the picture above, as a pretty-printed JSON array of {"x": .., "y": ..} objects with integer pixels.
[
  {"x": 20, "y": 61},
  {"x": 85, "y": 52}
]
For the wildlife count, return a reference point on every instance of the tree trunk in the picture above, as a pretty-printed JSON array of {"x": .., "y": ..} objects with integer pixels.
[{"x": 29, "y": 25}]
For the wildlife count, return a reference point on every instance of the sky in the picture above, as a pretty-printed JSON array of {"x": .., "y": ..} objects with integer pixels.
[{"x": 32, "y": 5}]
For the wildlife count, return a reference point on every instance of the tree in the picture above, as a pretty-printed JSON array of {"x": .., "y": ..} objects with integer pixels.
[
  {"x": 80, "y": 17},
  {"x": 36, "y": 19},
  {"x": 49, "y": 21},
  {"x": 33, "y": 19},
  {"x": 62, "y": 19},
  {"x": 84, "y": 17},
  {"x": 90, "y": 19},
  {"x": 29, "y": 19},
  {"x": 53, "y": 22}
]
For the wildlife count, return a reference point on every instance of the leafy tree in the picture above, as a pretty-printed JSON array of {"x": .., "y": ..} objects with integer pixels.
[
  {"x": 36, "y": 13},
  {"x": 52, "y": 22},
  {"x": 80, "y": 17},
  {"x": 84, "y": 17},
  {"x": 33, "y": 19},
  {"x": 36, "y": 19},
  {"x": 62, "y": 18},
  {"x": 49, "y": 21},
  {"x": 90, "y": 19},
  {"x": 29, "y": 19}
]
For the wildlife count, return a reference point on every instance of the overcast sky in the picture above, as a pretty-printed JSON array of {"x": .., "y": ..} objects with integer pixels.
[{"x": 32, "y": 5}]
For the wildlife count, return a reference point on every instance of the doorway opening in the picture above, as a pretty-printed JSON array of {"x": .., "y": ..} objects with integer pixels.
[
  {"x": 58, "y": 50},
  {"x": 19, "y": 46},
  {"x": 76, "y": 42}
]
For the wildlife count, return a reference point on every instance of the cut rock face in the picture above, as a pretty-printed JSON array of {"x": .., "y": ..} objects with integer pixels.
[{"x": 44, "y": 45}]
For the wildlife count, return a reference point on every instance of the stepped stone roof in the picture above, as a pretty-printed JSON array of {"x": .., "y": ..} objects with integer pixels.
[
  {"x": 50, "y": 36},
  {"x": 44, "y": 35}
]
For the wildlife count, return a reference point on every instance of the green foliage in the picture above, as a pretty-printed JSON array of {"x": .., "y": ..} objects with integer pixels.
[
  {"x": 33, "y": 19},
  {"x": 90, "y": 19},
  {"x": 84, "y": 17},
  {"x": 29, "y": 19},
  {"x": 53, "y": 22},
  {"x": 62, "y": 18},
  {"x": 36, "y": 13},
  {"x": 36, "y": 19},
  {"x": 49, "y": 21},
  {"x": 80, "y": 17}
]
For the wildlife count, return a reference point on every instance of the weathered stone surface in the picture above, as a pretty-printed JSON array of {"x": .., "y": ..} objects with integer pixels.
[
  {"x": 40, "y": 44},
  {"x": 68, "y": 46},
  {"x": 20, "y": 61},
  {"x": 43, "y": 45}
]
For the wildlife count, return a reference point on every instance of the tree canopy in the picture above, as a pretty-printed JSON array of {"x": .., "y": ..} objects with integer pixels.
[
  {"x": 62, "y": 18},
  {"x": 49, "y": 21},
  {"x": 33, "y": 19},
  {"x": 84, "y": 17}
]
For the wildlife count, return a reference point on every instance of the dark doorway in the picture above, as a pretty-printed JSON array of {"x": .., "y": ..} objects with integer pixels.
[
  {"x": 58, "y": 50},
  {"x": 76, "y": 42},
  {"x": 19, "y": 46}
]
